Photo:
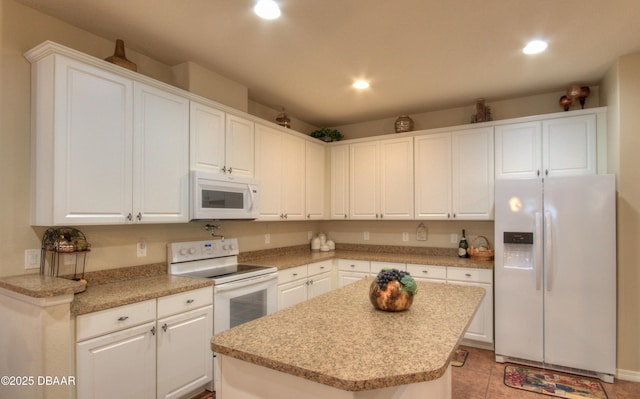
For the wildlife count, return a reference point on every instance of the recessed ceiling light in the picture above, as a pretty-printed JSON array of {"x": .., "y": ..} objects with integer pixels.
[
  {"x": 535, "y": 47},
  {"x": 361, "y": 84},
  {"x": 267, "y": 9}
]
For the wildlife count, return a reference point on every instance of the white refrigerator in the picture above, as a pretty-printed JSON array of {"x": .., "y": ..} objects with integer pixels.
[{"x": 555, "y": 273}]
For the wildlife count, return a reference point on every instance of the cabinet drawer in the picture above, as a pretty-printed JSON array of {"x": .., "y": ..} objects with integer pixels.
[
  {"x": 106, "y": 321},
  {"x": 319, "y": 267},
  {"x": 472, "y": 275},
  {"x": 353, "y": 265},
  {"x": 377, "y": 266},
  {"x": 428, "y": 271},
  {"x": 292, "y": 274},
  {"x": 184, "y": 301}
]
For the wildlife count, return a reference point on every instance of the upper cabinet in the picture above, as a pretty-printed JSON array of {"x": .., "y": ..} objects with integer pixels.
[
  {"x": 117, "y": 157},
  {"x": 454, "y": 175},
  {"x": 221, "y": 142},
  {"x": 339, "y": 181},
  {"x": 280, "y": 168},
  {"x": 315, "y": 180},
  {"x": 554, "y": 147},
  {"x": 381, "y": 179}
]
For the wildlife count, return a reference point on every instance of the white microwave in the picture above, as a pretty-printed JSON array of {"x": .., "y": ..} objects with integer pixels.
[{"x": 217, "y": 196}]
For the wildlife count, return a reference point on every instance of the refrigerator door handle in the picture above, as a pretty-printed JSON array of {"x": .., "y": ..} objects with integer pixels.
[
  {"x": 548, "y": 264},
  {"x": 538, "y": 250}
]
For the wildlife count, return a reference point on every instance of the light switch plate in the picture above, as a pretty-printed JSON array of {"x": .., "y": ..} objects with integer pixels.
[
  {"x": 405, "y": 236},
  {"x": 366, "y": 236},
  {"x": 454, "y": 238}
]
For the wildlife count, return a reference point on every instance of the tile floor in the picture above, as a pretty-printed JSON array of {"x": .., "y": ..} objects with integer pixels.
[{"x": 482, "y": 378}]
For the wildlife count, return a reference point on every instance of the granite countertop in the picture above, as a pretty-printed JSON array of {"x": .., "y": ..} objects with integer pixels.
[
  {"x": 106, "y": 288},
  {"x": 339, "y": 339},
  {"x": 301, "y": 255}
]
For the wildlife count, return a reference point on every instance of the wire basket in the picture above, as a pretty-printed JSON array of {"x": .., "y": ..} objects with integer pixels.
[
  {"x": 481, "y": 252},
  {"x": 59, "y": 243}
]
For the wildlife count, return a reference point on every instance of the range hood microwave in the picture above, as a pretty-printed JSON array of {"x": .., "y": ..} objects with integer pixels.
[{"x": 221, "y": 196}]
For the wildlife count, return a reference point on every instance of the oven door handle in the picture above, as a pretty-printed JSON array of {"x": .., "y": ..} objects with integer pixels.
[{"x": 245, "y": 282}]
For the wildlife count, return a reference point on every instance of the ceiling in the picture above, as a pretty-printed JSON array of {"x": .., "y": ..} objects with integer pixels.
[{"x": 419, "y": 55}]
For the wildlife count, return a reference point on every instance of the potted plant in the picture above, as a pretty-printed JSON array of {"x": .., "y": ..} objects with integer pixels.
[{"x": 327, "y": 134}]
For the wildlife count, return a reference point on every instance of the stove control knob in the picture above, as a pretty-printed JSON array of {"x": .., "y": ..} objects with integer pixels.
[
  {"x": 232, "y": 247},
  {"x": 192, "y": 251},
  {"x": 183, "y": 251}
]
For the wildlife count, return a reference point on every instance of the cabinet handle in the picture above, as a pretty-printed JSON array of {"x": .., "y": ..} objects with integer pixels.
[
  {"x": 230, "y": 169},
  {"x": 468, "y": 274},
  {"x": 129, "y": 216},
  {"x": 190, "y": 301},
  {"x": 448, "y": 216},
  {"x": 311, "y": 282},
  {"x": 425, "y": 271},
  {"x": 139, "y": 216},
  {"x": 381, "y": 215},
  {"x": 352, "y": 265},
  {"x": 345, "y": 215},
  {"x": 123, "y": 318},
  {"x": 321, "y": 267},
  {"x": 308, "y": 216},
  {"x": 286, "y": 216},
  {"x": 295, "y": 274},
  {"x": 164, "y": 327},
  {"x": 538, "y": 172},
  {"x": 153, "y": 330},
  {"x": 546, "y": 172},
  {"x": 224, "y": 169},
  {"x": 454, "y": 215}
]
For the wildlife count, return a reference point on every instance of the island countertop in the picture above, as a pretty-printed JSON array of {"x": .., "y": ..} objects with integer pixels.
[{"x": 340, "y": 340}]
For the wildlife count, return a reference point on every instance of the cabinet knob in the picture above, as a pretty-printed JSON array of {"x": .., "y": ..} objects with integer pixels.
[
  {"x": 153, "y": 330},
  {"x": 190, "y": 301},
  {"x": 454, "y": 215},
  {"x": 129, "y": 216},
  {"x": 311, "y": 282},
  {"x": 546, "y": 172},
  {"x": 352, "y": 265},
  {"x": 468, "y": 274},
  {"x": 345, "y": 215},
  {"x": 224, "y": 169},
  {"x": 230, "y": 170},
  {"x": 139, "y": 216},
  {"x": 123, "y": 318},
  {"x": 448, "y": 216},
  {"x": 295, "y": 274},
  {"x": 308, "y": 216},
  {"x": 425, "y": 271},
  {"x": 164, "y": 327}
]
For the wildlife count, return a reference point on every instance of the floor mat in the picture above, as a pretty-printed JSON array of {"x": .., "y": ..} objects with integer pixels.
[
  {"x": 459, "y": 357},
  {"x": 553, "y": 383}
]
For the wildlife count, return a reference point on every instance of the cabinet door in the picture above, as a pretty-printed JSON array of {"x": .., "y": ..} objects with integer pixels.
[
  {"x": 315, "y": 180},
  {"x": 207, "y": 138},
  {"x": 118, "y": 365},
  {"x": 292, "y": 293},
  {"x": 518, "y": 150},
  {"x": 319, "y": 284},
  {"x": 293, "y": 177},
  {"x": 86, "y": 178},
  {"x": 269, "y": 162},
  {"x": 161, "y": 156},
  {"x": 481, "y": 326},
  {"x": 569, "y": 146},
  {"x": 472, "y": 183},
  {"x": 339, "y": 182},
  {"x": 185, "y": 359},
  {"x": 239, "y": 145},
  {"x": 345, "y": 278},
  {"x": 433, "y": 176},
  {"x": 376, "y": 267},
  {"x": 396, "y": 179},
  {"x": 364, "y": 181}
]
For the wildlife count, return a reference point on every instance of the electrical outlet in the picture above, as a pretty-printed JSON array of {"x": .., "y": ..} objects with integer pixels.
[
  {"x": 454, "y": 238},
  {"x": 267, "y": 238},
  {"x": 405, "y": 236},
  {"x": 32, "y": 258},
  {"x": 366, "y": 236},
  {"x": 142, "y": 249}
]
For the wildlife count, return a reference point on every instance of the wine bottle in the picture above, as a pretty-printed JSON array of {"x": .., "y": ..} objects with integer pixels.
[{"x": 462, "y": 246}]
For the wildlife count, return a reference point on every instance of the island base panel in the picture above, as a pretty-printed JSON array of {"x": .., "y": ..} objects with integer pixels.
[{"x": 244, "y": 380}]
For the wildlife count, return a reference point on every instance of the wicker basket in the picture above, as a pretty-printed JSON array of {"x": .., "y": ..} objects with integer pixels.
[{"x": 486, "y": 254}]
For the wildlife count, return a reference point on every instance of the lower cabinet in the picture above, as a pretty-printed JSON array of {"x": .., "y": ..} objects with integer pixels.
[
  {"x": 351, "y": 271},
  {"x": 300, "y": 283},
  {"x": 481, "y": 327},
  {"x": 151, "y": 349}
]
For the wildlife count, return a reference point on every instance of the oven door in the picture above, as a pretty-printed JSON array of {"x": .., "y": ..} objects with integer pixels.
[{"x": 244, "y": 300}]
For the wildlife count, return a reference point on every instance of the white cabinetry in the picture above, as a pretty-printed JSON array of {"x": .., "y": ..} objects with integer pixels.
[
  {"x": 339, "y": 181},
  {"x": 434, "y": 274},
  {"x": 125, "y": 352},
  {"x": 300, "y": 283},
  {"x": 454, "y": 175},
  {"x": 90, "y": 127},
  {"x": 220, "y": 142},
  {"x": 381, "y": 179},
  {"x": 350, "y": 271},
  {"x": 555, "y": 147},
  {"x": 280, "y": 161},
  {"x": 315, "y": 180},
  {"x": 481, "y": 327},
  {"x": 375, "y": 267}
]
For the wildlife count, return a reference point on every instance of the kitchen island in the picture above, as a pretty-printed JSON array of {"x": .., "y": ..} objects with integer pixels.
[{"x": 338, "y": 346}]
